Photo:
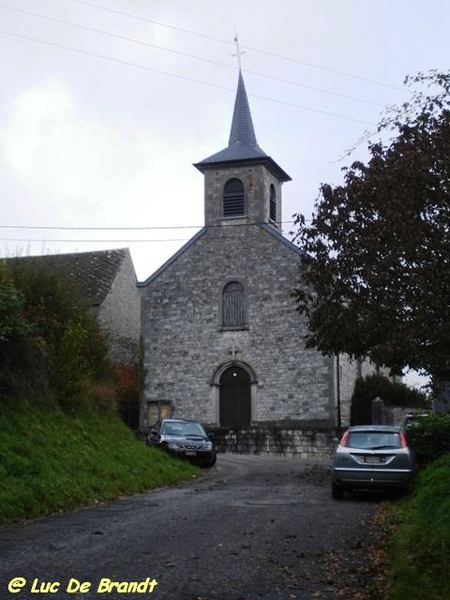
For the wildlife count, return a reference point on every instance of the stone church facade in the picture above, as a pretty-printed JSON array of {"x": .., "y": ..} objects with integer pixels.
[{"x": 223, "y": 343}]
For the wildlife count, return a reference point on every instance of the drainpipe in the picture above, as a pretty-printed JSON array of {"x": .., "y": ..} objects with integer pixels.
[{"x": 338, "y": 392}]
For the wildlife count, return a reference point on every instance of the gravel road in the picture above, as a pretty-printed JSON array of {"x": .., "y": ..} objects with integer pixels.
[{"x": 251, "y": 528}]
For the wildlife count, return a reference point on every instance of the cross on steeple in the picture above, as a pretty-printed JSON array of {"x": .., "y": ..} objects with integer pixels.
[{"x": 239, "y": 52}]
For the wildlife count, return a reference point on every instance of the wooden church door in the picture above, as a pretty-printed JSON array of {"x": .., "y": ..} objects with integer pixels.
[{"x": 235, "y": 405}]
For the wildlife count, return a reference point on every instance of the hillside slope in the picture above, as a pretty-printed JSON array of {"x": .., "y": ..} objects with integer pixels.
[{"x": 51, "y": 461}]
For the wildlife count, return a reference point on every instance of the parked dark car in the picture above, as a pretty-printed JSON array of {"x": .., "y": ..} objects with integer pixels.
[
  {"x": 185, "y": 439},
  {"x": 372, "y": 457}
]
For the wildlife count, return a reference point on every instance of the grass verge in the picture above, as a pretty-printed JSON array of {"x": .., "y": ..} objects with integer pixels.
[
  {"x": 420, "y": 546},
  {"x": 52, "y": 461}
]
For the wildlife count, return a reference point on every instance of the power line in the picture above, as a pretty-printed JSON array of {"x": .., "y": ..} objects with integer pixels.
[
  {"x": 185, "y": 54},
  {"x": 183, "y": 77},
  {"x": 113, "y": 241},
  {"x": 142, "y": 228},
  {"x": 264, "y": 52},
  {"x": 75, "y": 241}
]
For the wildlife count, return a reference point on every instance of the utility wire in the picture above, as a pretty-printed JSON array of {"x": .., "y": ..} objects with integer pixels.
[
  {"x": 183, "y": 77},
  {"x": 185, "y": 54},
  {"x": 114, "y": 241},
  {"x": 149, "y": 228},
  {"x": 215, "y": 39},
  {"x": 40, "y": 241}
]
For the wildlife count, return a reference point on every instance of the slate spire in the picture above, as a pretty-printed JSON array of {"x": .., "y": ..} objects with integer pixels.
[
  {"x": 242, "y": 144},
  {"x": 242, "y": 130}
]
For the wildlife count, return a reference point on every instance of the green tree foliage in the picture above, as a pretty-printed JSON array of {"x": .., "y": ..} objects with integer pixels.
[
  {"x": 376, "y": 282},
  {"x": 11, "y": 321},
  {"x": 21, "y": 364},
  {"x": 430, "y": 437},
  {"x": 61, "y": 349},
  {"x": 391, "y": 392}
]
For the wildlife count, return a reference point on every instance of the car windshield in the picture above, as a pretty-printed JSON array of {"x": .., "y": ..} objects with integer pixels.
[
  {"x": 183, "y": 429},
  {"x": 372, "y": 440}
]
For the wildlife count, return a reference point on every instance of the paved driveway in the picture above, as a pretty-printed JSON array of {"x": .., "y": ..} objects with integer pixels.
[{"x": 253, "y": 528}]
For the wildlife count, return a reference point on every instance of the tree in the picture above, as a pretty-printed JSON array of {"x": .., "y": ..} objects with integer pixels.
[
  {"x": 376, "y": 282},
  {"x": 50, "y": 343},
  {"x": 12, "y": 323},
  {"x": 393, "y": 393}
]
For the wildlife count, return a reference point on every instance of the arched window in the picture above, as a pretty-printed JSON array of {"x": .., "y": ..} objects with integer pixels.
[
  {"x": 273, "y": 204},
  {"x": 233, "y": 305},
  {"x": 233, "y": 198}
]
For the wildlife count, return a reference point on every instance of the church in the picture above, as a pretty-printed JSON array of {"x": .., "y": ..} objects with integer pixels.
[{"x": 222, "y": 340}]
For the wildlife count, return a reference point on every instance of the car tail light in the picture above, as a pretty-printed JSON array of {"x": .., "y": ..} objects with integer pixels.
[
  {"x": 403, "y": 440},
  {"x": 345, "y": 439}
]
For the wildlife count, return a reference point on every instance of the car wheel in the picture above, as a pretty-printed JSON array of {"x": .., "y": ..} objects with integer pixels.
[
  {"x": 210, "y": 462},
  {"x": 337, "y": 491}
]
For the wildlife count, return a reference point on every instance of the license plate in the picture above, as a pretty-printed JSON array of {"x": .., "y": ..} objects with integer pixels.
[
  {"x": 191, "y": 453},
  {"x": 372, "y": 459}
]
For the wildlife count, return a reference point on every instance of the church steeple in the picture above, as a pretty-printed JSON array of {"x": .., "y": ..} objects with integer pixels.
[
  {"x": 242, "y": 144},
  {"x": 242, "y": 181}
]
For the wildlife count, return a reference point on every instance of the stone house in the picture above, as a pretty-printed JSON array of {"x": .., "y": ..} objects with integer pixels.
[
  {"x": 222, "y": 341},
  {"x": 106, "y": 281}
]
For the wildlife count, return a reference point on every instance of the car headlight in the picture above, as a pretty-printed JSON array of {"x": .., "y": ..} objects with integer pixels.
[
  {"x": 207, "y": 446},
  {"x": 174, "y": 446}
]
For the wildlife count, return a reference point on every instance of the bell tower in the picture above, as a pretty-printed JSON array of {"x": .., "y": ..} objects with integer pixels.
[{"x": 242, "y": 183}]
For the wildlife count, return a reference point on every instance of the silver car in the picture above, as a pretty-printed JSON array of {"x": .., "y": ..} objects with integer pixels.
[{"x": 372, "y": 457}]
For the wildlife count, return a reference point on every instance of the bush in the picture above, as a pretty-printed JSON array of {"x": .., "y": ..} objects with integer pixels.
[
  {"x": 420, "y": 547},
  {"x": 392, "y": 393},
  {"x": 430, "y": 437},
  {"x": 128, "y": 382},
  {"x": 56, "y": 347},
  {"x": 22, "y": 364}
]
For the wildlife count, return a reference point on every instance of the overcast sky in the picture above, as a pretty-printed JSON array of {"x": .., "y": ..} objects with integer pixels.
[{"x": 105, "y": 105}]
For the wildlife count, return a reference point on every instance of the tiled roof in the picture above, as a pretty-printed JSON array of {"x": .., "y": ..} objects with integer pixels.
[
  {"x": 92, "y": 273},
  {"x": 242, "y": 144}
]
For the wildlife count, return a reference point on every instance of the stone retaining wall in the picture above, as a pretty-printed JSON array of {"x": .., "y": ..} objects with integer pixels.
[{"x": 290, "y": 441}]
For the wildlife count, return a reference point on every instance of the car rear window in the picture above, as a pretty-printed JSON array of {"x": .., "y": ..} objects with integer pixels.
[{"x": 373, "y": 440}]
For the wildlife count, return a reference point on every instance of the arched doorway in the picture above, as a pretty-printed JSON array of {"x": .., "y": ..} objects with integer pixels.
[{"x": 235, "y": 398}]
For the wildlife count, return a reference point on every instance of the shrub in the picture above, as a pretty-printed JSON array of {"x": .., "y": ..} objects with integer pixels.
[
  {"x": 19, "y": 353},
  {"x": 391, "y": 392},
  {"x": 61, "y": 350},
  {"x": 128, "y": 387},
  {"x": 430, "y": 437},
  {"x": 420, "y": 548}
]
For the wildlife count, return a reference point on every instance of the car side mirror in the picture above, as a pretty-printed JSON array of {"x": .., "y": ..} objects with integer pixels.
[{"x": 211, "y": 437}]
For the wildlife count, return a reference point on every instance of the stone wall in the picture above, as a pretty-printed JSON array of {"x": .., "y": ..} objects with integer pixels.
[
  {"x": 290, "y": 441},
  {"x": 256, "y": 179},
  {"x": 186, "y": 347},
  {"x": 119, "y": 315}
]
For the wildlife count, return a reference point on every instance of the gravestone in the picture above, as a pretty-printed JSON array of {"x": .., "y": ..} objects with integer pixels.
[{"x": 377, "y": 411}]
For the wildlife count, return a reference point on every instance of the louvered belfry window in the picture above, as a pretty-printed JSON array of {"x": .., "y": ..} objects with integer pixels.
[
  {"x": 273, "y": 203},
  {"x": 234, "y": 310},
  {"x": 233, "y": 198}
]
